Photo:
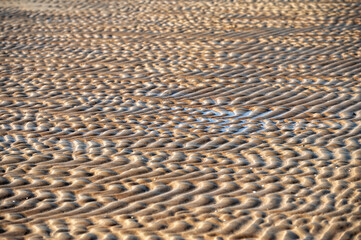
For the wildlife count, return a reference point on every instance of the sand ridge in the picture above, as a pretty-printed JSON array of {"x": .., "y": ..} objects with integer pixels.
[{"x": 180, "y": 119}]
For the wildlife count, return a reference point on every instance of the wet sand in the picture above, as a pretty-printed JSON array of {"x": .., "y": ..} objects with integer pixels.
[{"x": 180, "y": 119}]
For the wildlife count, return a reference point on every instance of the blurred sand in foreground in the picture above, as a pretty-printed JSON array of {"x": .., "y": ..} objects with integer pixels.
[{"x": 180, "y": 119}]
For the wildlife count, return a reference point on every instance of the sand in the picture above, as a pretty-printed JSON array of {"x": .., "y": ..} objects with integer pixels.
[{"x": 180, "y": 119}]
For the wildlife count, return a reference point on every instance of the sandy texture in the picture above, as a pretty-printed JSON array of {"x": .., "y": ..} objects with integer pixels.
[{"x": 180, "y": 119}]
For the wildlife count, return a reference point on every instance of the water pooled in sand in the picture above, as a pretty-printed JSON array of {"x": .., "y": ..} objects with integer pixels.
[{"x": 180, "y": 119}]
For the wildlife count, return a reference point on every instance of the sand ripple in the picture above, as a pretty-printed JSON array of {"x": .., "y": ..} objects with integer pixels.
[{"x": 180, "y": 119}]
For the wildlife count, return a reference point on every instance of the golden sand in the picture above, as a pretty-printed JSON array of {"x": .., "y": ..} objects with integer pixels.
[{"x": 180, "y": 119}]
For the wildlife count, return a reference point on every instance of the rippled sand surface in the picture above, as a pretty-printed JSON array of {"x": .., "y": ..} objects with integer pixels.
[{"x": 180, "y": 119}]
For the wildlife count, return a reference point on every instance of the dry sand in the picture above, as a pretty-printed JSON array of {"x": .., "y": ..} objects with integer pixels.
[{"x": 180, "y": 119}]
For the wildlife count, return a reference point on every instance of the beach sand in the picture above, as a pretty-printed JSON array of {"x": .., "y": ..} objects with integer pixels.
[{"x": 180, "y": 119}]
